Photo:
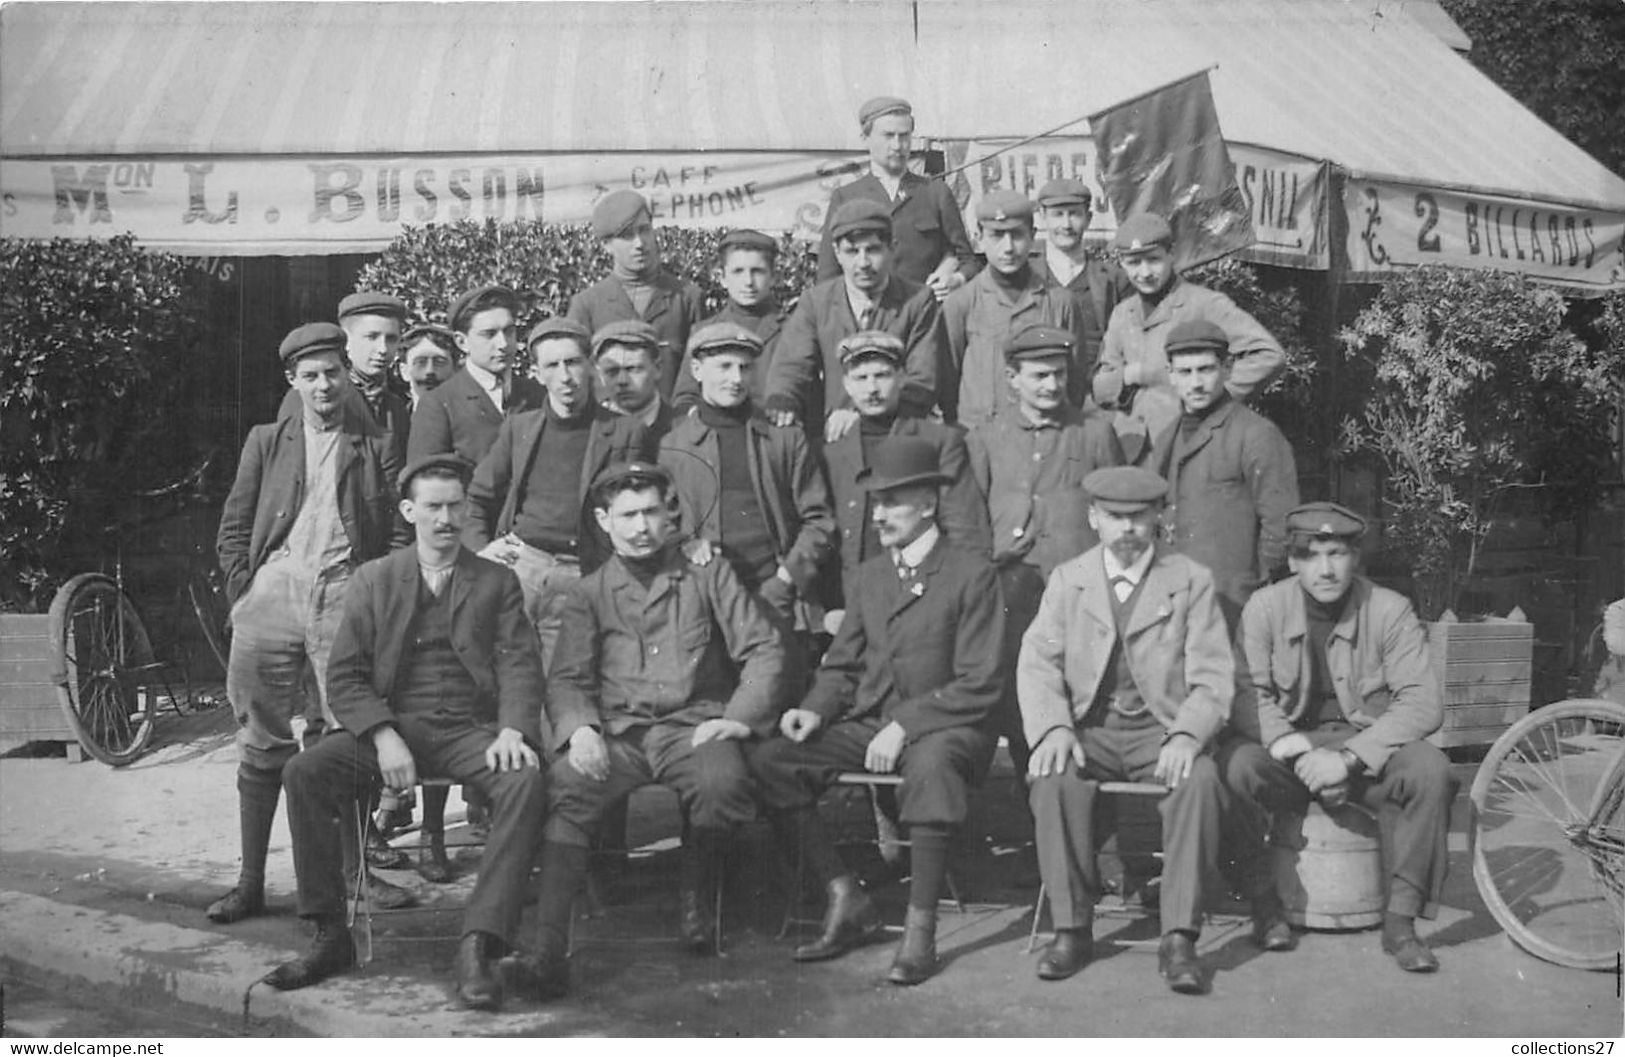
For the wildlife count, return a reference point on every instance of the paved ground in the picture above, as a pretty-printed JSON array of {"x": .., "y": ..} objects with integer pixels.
[{"x": 104, "y": 874}]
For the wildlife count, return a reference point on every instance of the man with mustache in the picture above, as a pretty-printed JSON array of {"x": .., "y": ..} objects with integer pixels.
[
  {"x": 1126, "y": 674},
  {"x": 664, "y": 670},
  {"x": 428, "y": 357}
]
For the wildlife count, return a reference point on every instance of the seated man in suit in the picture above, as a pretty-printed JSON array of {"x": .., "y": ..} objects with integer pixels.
[
  {"x": 1126, "y": 674},
  {"x": 906, "y": 687},
  {"x": 1343, "y": 698},
  {"x": 664, "y": 669},
  {"x": 434, "y": 671}
]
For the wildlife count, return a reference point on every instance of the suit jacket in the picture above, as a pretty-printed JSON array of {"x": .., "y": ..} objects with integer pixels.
[
  {"x": 1176, "y": 646},
  {"x": 1096, "y": 291},
  {"x": 926, "y": 658},
  {"x": 489, "y": 633},
  {"x": 1230, "y": 487},
  {"x": 963, "y": 514},
  {"x": 806, "y": 372},
  {"x": 789, "y": 484},
  {"x": 1377, "y": 657},
  {"x": 1135, "y": 345},
  {"x": 393, "y": 419},
  {"x": 270, "y": 487},
  {"x": 768, "y": 326},
  {"x": 979, "y": 319},
  {"x": 674, "y": 310},
  {"x": 457, "y": 416},
  {"x": 926, "y": 226},
  {"x": 497, "y": 493}
]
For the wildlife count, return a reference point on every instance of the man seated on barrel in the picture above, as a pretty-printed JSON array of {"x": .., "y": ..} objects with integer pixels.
[
  {"x": 663, "y": 670},
  {"x": 434, "y": 671},
  {"x": 1344, "y": 697},
  {"x": 1126, "y": 674},
  {"x": 906, "y": 687}
]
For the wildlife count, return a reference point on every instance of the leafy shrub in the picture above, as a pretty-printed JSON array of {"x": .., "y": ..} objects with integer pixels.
[
  {"x": 91, "y": 361},
  {"x": 1286, "y": 401}
]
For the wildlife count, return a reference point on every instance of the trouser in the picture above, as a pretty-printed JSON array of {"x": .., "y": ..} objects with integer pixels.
[
  {"x": 545, "y": 580},
  {"x": 1411, "y": 798},
  {"x": 938, "y": 769},
  {"x": 326, "y": 781},
  {"x": 1022, "y": 587},
  {"x": 282, "y": 632},
  {"x": 779, "y": 602},
  {"x": 1064, "y": 825},
  {"x": 711, "y": 781}
]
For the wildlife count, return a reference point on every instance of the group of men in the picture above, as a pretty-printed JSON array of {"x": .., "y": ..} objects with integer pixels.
[{"x": 1025, "y": 502}]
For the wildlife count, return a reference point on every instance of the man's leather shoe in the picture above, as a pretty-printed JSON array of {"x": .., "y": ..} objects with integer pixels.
[
  {"x": 381, "y": 895},
  {"x": 433, "y": 866},
  {"x": 477, "y": 985},
  {"x": 916, "y": 960},
  {"x": 1411, "y": 953},
  {"x": 543, "y": 976},
  {"x": 849, "y": 921},
  {"x": 695, "y": 921},
  {"x": 237, "y": 904},
  {"x": 331, "y": 952},
  {"x": 1071, "y": 950},
  {"x": 1176, "y": 961},
  {"x": 380, "y": 856},
  {"x": 1271, "y": 930}
]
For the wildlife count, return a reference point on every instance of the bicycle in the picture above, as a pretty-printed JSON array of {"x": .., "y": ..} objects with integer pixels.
[
  {"x": 1548, "y": 832},
  {"x": 108, "y": 674}
]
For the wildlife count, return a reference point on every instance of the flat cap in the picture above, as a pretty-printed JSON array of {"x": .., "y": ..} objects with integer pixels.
[
  {"x": 860, "y": 215},
  {"x": 1038, "y": 342},
  {"x": 1197, "y": 335},
  {"x": 310, "y": 339},
  {"x": 468, "y": 305},
  {"x": 1001, "y": 210},
  {"x": 867, "y": 343},
  {"x": 616, "y": 211},
  {"x": 435, "y": 332},
  {"x": 722, "y": 337},
  {"x": 1325, "y": 520},
  {"x": 1065, "y": 193},
  {"x": 900, "y": 461},
  {"x": 371, "y": 303},
  {"x": 448, "y": 461},
  {"x": 1125, "y": 489},
  {"x": 559, "y": 327},
  {"x": 625, "y": 332},
  {"x": 1141, "y": 232},
  {"x": 747, "y": 239},
  {"x": 620, "y": 475},
  {"x": 882, "y": 105}
]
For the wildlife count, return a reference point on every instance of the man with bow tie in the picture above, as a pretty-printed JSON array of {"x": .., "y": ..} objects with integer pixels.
[
  {"x": 907, "y": 687},
  {"x": 1125, "y": 674}
]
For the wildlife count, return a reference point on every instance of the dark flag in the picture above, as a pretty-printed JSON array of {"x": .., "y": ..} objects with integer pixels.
[{"x": 1161, "y": 152}]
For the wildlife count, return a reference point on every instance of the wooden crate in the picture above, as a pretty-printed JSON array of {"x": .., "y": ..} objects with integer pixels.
[
  {"x": 28, "y": 701},
  {"x": 1483, "y": 674}
]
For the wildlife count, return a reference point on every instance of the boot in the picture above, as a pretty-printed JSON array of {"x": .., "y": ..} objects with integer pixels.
[
  {"x": 544, "y": 976},
  {"x": 381, "y": 895},
  {"x": 331, "y": 952},
  {"x": 850, "y": 920},
  {"x": 1177, "y": 962},
  {"x": 916, "y": 960},
  {"x": 477, "y": 983},
  {"x": 433, "y": 866},
  {"x": 380, "y": 856},
  {"x": 1271, "y": 930},
  {"x": 1072, "y": 949},
  {"x": 1399, "y": 939},
  {"x": 697, "y": 892},
  {"x": 239, "y": 903}
]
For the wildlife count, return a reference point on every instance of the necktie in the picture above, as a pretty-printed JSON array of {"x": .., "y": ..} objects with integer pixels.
[{"x": 866, "y": 318}]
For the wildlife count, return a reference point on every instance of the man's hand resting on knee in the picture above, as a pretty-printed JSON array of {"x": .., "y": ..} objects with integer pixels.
[
  {"x": 1051, "y": 753},
  {"x": 395, "y": 761},
  {"x": 719, "y": 730},
  {"x": 508, "y": 752},
  {"x": 589, "y": 755}
]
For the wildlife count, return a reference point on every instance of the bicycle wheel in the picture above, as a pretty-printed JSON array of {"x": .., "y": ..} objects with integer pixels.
[
  {"x": 1544, "y": 868},
  {"x": 207, "y": 592},
  {"x": 105, "y": 659}
]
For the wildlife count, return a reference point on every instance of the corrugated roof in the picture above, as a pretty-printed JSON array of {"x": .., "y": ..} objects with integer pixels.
[{"x": 1363, "y": 84}]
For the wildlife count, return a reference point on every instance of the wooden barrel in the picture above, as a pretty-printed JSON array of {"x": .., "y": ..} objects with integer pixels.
[{"x": 1328, "y": 868}]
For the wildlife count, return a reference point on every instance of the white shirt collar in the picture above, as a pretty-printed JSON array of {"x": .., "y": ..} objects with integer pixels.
[
  {"x": 1134, "y": 573},
  {"x": 890, "y": 183},
  {"x": 1064, "y": 268},
  {"x": 916, "y": 552},
  {"x": 491, "y": 383}
]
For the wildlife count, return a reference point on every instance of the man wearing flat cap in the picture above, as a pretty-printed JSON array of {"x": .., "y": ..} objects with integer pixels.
[
  {"x": 1030, "y": 465},
  {"x": 1096, "y": 285},
  {"x": 638, "y": 286},
  {"x": 751, "y": 490},
  {"x": 804, "y": 380},
  {"x": 314, "y": 497},
  {"x": 1230, "y": 472},
  {"x": 932, "y": 247},
  {"x": 626, "y": 354},
  {"x": 372, "y": 325},
  {"x": 434, "y": 672},
  {"x": 528, "y": 502},
  {"x": 747, "y": 266},
  {"x": 872, "y": 371},
  {"x": 665, "y": 670},
  {"x": 463, "y": 414},
  {"x": 1006, "y": 296},
  {"x": 1132, "y": 377},
  {"x": 906, "y": 688},
  {"x": 1343, "y": 696},
  {"x": 1126, "y": 674}
]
